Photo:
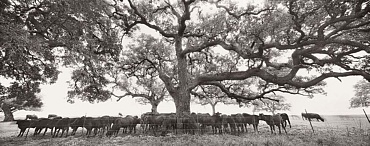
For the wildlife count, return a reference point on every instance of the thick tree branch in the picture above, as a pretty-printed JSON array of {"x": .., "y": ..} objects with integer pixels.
[{"x": 145, "y": 22}]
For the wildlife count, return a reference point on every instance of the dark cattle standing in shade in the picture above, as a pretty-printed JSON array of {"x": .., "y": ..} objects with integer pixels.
[
  {"x": 41, "y": 124},
  {"x": 309, "y": 116},
  {"x": 273, "y": 120},
  {"x": 23, "y": 125},
  {"x": 75, "y": 123},
  {"x": 128, "y": 122},
  {"x": 239, "y": 122},
  {"x": 251, "y": 120},
  {"x": 228, "y": 121},
  {"x": 61, "y": 124},
  {"x": 204, "y": 119},
  {"x": 217, "y": 125},
  {"x": 32, "y": 117},
  {"x": 91, "y": 123}
]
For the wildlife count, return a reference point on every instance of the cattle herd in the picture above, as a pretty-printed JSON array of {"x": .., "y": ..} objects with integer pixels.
[{"x": 156, "y": 123}]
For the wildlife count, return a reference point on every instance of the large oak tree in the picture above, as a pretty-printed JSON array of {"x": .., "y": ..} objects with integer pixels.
[
  {"x": 329, "y": 38},
  {"x": 274, "y": 43}
]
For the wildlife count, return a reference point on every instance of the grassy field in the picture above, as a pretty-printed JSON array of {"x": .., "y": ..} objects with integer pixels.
[{"x": 348, "y": 130}]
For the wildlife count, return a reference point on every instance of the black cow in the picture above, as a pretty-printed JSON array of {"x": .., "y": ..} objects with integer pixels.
[
  {"x": 285, "y": 119},
  {"x": 91, "y": 123},
  {"x": 188, "y": 123},
  {"x": 31, "y": 117},
  {"x": 251, "y": 120},
  {"x": 51, "y": 125},
  {"x": 128, "y": 122},
  {"x": 217, "y": 125},
  {"x": 309, "y": 116},
  {"x": 228, "y": 121},
  {"x": 23, "y": 125},
  {"x": 41, "y": 124},
  {"x": 273, "y": 120},
  {"x": 205, "y": 119},
  {"x": 169, "y": 122},
  {"x": 239, "y": 122},
  {"x": 61, "y": 124}
]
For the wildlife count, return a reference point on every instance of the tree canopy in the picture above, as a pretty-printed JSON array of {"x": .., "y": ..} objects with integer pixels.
[
  {"x": 327, "y": 38},
  {"x": 271, "y": 106},
  {"x": 204, "y": 42}
]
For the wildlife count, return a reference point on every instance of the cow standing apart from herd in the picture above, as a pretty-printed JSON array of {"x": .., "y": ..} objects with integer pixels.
[{"x": 154, "y": 122}]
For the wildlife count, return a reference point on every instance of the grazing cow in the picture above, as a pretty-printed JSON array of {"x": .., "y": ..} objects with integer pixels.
[
  {"x": 51, "y": 125},
  {"x": 285, "y": 119},
  {"x": 90, "y": 124},
  {"x": 61, "y": 124},
  {"x": 251, "y": 120},
  {"x": 188, "y": 123},
  {"x": 40, "y": 124},
  {"x": 128, "y": 122},
  {"x": 158, "y": 121},
  {"x": 31, "y": 117},
  {"x": 309, "y": 116},
  {"x": 228, "y": 121},
  {"x": 217, "y": 125},
  {"x": 146, "y": 118},
  {"x": 273, "y": 120},
  {"x": 204, "y": 119},
  {"x": 169, "y": 122},
  {"x": 75, "y": 123},
  {"x": 52, "y": 116},
  {"x": 23, "y": 125},
  {"x": 239, "y": 122}
]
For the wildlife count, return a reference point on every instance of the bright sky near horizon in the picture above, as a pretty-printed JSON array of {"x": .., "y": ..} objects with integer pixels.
[{"x": 55, "y": 101}]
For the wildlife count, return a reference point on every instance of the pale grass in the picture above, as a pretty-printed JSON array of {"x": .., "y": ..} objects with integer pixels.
[{"x": 336, "y": 131}]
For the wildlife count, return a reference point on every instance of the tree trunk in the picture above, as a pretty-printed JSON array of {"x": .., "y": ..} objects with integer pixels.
[
  {"x": 7, "y": 113},
  {"x": 182, "y": 103},
  {"x": 154, "y": 108},
  {"x": 213, "y": 109}
]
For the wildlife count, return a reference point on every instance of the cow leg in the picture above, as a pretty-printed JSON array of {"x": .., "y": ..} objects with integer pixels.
[
  {"x": 279, "y": 128},
  {"x": 284, "y": 127},
  {"x": 67, "y": 129},
  {"x": 20, "y": 132},
  {"x": 35, "y": 132},
  {"x": 62, "y": 132},
  {"x": 45, "y": 131},
  {"x": 54, "y": 132},
  {"x": 272, "y": 129}
]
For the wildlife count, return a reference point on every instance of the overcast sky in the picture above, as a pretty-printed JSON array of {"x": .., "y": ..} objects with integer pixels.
[{"x": 54, "y": 97}]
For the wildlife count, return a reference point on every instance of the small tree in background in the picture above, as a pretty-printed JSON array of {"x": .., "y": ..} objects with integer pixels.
[
  {"x": 271, "y": 105},
  {"x": 211, "y": 95},
  {"x": 147, "y": 91},
  {"x": 362, "y": 95}
]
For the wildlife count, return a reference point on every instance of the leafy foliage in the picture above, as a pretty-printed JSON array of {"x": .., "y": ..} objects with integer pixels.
[
  {"x": 203, "y": 43},
  {"x": 362, "y": 95},
  {"x": 271, "y": 106}
]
